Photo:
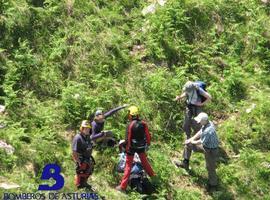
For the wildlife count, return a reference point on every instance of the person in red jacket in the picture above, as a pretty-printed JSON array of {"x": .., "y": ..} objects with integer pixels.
[{"x": 137, "y": 140}]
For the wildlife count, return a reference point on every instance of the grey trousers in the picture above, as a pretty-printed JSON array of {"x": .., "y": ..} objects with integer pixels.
[
  {"x": 189, "y": 122},
  {"x": 211, "y": 156}
]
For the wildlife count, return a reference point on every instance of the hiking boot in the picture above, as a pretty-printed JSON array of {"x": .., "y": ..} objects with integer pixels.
[
  {"x": 183, "y": 164},
  {"x": 84, "y": 185},
  {"x": 118, "y": 188},
  {"x": 80, "y": 186}
]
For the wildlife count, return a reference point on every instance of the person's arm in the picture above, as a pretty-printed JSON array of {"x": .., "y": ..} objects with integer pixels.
[
  {"x": 75, "y": 157},
  {"x": 180, "y": 97},
  {"x": 111, "y": 112},
  {"x": 194, "y": 138},
  {"x": 75, "y": 146},
  {"x": 197, "y": 135},
  {"x": 206, "y": 95},
  {"x": 147, "y": 134},
  {"x": 94, "y": 134},
  {"x": 196, "y": 141},
  {"x": 128, "y": 135}
]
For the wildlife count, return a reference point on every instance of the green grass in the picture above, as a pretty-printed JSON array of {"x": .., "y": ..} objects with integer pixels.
[{"x": 60, "y": 60}]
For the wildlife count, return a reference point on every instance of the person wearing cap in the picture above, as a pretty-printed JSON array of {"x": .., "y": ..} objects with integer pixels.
[
  {"x": 82, "y": 155},
  {"x": 98, "y": 134},
  {"x": 204, "y": 141},
  {"x": 194, "y": 104},
  {"x": 193, "y": 94},
  {"x": 137, "y": 140}
]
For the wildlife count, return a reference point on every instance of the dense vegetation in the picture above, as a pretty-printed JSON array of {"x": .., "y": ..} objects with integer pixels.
[{"x": 60, "y": 60}]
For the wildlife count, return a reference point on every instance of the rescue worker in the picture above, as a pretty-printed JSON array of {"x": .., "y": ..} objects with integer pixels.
[
  {"x": 82, "y": 155},
  {"x": 137, "y": 140},
  {"x": 204, "y": 141},
  {"x": 98, "y": 134}
]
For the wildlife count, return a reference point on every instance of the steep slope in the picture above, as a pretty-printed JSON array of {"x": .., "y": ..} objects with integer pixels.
[{"x": 60, "y": 60}]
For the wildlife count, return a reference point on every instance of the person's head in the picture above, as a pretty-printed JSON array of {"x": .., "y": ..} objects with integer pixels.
[
  {"x": 189, "y": 87},
  {"x": 133, "y": 112},
  {"x": 85, "y": 127},
  {"x": 99, "y": 116},
  {"x": 122, "y": 146},
  {"x": 202, "y": 118}
]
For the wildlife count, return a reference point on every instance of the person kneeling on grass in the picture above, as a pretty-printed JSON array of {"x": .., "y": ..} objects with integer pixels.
[
  {"x": 100, "y": 136},
  {"x": 137, "y": 140},
  {"x": 204, "y": 141}
]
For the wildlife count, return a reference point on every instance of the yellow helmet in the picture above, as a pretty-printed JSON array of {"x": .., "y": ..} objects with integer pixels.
[
  {"x": 85, "y": 124},
  {"x": 133, "y": 110}
]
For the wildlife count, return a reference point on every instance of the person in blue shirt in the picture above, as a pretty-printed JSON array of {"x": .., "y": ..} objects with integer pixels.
[
  {"x": 204, "y": 141},
  {"x": 99, "y": 135}
]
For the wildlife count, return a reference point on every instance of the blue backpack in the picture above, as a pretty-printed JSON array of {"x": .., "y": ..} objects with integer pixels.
[{"x": 202, "y": 85}]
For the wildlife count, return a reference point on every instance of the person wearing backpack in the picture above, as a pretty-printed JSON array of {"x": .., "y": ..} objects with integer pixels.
[
  {"x": 82, "y": 155},
  {"x": 137, "y": 140},
  {"x": 196, "y": 97}
]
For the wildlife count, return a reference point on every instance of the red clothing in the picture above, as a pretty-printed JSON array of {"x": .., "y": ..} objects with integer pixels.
[
  {"x": 129, "y": 160},
  {"x": 136, "y": 130},
  {"x": 132, "y": 133}
]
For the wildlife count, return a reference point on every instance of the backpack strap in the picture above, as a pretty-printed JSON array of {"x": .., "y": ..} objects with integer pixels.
[
  {"x": 130, "y": 134},
  {"x": 190, "y": 98}
]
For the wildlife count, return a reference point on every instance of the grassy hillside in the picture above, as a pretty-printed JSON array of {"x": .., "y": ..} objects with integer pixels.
[{"x": 60, "y": 60}]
